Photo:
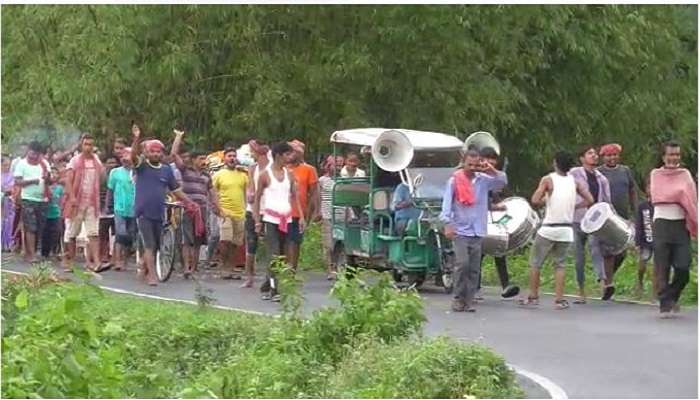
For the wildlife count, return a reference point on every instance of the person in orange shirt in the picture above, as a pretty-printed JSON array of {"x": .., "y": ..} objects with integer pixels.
[{"x": 307, "y": 189}]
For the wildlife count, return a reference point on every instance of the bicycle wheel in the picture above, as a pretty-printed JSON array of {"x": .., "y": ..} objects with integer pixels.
[{"x": 165, "y": 258}]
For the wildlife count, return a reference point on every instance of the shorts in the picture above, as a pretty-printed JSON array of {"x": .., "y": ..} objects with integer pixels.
[
  {"x": 232, "y": 230},
  {"x": 294, "y": 234},
  {"x": 543, "y": 247},
  {"x": 251, "y": 238},
  {"x": 275, "y": 240},
  {"x": 188, "y": 235},
  {"x": 33, "y": 215},
  {"x": 83, "y": 216},
  {"x": 125, "y": 230},
  {"x": 150, "y": 231}
]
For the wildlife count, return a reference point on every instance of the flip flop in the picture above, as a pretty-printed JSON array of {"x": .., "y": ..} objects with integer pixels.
[
  {"x": 531, "y": 301},
  {"x": 580, "y": 301},
  {"x": 561, "y": 304},
  {"x": 608, "y": 293},
  {"x": 102, "y": 268}
]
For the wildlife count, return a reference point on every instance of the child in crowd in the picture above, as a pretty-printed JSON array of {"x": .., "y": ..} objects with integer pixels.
[
  {"x": 50, "y": 243},
  {"x": 645, "y": 241}
]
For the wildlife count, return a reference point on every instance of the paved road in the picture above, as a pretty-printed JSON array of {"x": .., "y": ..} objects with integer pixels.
[{"x": 598, "y": 350}]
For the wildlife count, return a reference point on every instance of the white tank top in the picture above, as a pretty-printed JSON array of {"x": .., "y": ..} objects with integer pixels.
[
  {"x": 560, "y": 207},
  {"x": 276, "y": 197},
  {"x": 256, "y": 179}
]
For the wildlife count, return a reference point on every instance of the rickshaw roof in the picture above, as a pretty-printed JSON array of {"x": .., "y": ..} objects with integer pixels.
[{"x": 420, "y": 140}]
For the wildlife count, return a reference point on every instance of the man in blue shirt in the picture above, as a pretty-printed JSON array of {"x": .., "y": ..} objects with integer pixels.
[
  {"x": 464, "y": 212},
  {"x": 404, "y": 210}
]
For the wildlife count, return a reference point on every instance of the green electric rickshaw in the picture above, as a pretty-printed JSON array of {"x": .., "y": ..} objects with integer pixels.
[{"x": 363, "y": 231}]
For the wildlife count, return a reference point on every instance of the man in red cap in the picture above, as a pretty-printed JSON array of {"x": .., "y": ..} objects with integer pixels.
[
  {"x": 307, "y": 189},
  {"x": 623, "y": 196},
  {"x": 154, "y": 180}
]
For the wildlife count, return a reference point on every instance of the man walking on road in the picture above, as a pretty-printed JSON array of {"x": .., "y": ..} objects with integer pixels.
[
  {"x": 230, "y": 184},
  {"x": 32, "y": 176},
  {"x": 307, "y": 189},
  {"x": 275, "y": 197},
  {"x": 122, "y": 192},
  {"x": 197, "y": 185},
  {"x": 557, "y": 192},
  {"x": 597, "y": 185},
  {"x": 82, "y": 207},
  {"x": 259, "y": 151},
  {"x": 674, "y": 195},
  {"x": 623, "y": 197},
  {"x": 154, "y": 179},
  {"x": 464, "y": 212}
]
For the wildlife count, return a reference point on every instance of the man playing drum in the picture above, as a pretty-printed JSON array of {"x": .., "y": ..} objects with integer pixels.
[
  {"x": 489, "y": 155},
  {"x": 558, "y": 193},
  {"x": 597, "y": 185},
  {"x": 623, "y": 197}
]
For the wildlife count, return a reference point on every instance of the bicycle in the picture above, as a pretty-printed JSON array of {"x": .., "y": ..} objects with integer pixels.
[{"x": 170, "y": 251}]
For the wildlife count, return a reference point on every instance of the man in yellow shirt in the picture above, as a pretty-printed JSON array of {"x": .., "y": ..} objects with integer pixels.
[{"x": 231, "y": 183}]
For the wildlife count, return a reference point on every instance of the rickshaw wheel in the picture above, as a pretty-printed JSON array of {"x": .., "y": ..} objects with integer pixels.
[
  {"x": 345, "y": 264},
  {"x": 415, "y": 279},
  {"x": 396, "y": 275}
]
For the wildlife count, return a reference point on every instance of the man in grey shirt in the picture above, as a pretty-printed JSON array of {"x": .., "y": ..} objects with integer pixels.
[{"x": 623, "y": 196}]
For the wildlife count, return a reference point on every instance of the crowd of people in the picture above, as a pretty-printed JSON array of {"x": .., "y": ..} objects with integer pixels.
[
  {"x": 116, "y": 201},
  {"x": 663, "y": 224}
]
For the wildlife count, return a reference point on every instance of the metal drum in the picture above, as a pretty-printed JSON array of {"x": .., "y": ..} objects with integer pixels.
[
  {"x": 614, "y": 232},
  {"x": 511, "y": 229}
]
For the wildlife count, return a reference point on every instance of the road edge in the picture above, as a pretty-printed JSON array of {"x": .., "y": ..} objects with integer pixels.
[{"x": 555, "y": 391}]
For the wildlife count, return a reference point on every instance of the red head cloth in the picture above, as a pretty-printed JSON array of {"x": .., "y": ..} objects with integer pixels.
[
  {"x": 260, "y": 149},
  {"x": 153, "y": 145},
  {"x": 609, "y": 149},
  {"x": 297, "y": 145}
]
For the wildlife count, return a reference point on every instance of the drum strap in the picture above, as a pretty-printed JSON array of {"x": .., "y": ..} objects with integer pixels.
[{"x": 558, "y": 225}]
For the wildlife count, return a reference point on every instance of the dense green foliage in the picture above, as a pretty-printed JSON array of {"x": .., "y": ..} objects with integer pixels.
[
  {"x": 539, "y": 77},
  {"x": 71, "y": 340}
]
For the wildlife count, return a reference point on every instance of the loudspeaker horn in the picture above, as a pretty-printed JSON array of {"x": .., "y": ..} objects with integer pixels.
[
  {"x": 480, "y": 140},
  {"x": 392, "y": 151}
]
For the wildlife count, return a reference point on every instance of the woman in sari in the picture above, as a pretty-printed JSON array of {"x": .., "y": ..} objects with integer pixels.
[{"x": 8, "y": 206}]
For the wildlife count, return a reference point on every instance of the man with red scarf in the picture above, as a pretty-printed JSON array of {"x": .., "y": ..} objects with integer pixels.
[
  {"x": 32, "y": 176},
  {"x": 82, "y": 207},
  {"x": 674, "y": 195},
  {"x": 464, "y": 212}
]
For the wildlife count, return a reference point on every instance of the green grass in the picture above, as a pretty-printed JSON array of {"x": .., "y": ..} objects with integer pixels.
[{"x": 74, "y": 340}]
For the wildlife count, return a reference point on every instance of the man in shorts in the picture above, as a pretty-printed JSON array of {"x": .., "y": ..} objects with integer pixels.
[
  {"x": 259, "y": 151},
  {"x": 230, "y": 184},
  {"x": 154, "y": 180},
  {"x": 82, "y": 207},
  {"x": 32, "y": 175},
  {"x": 557, "y": 192},
  {"x": 197, "y": 185},
  {"x": 307, "y": 188}
]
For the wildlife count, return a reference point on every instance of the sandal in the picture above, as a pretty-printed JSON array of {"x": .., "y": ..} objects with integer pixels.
[
  {"x": 531, "y": 301},
  {"x": 608, "y": 292},
  {"x": 561, "y": 304},
  {"x": 580, "y": 300}
]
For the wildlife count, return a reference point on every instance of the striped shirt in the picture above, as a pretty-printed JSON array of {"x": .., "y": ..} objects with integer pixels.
[{"x": 196, "y": 185}]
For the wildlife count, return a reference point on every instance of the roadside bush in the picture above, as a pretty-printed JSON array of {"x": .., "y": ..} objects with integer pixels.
[
  {"x": 73, "y": 340},
  {"x": 429, "y": 368}
]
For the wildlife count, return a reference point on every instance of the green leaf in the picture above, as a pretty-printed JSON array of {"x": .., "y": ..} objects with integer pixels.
[{"x": 22, "y": 300}]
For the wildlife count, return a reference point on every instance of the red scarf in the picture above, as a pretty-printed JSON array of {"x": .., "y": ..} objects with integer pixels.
[
  {"x": 78, "y": 175},
  {"x": 44, "y": 173},
  {"x": 464, "y": 192},
  {"x": 195, "y": 212},
  {"x": 284, "y": 219},
  {"x": 676, "y": 185}
]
